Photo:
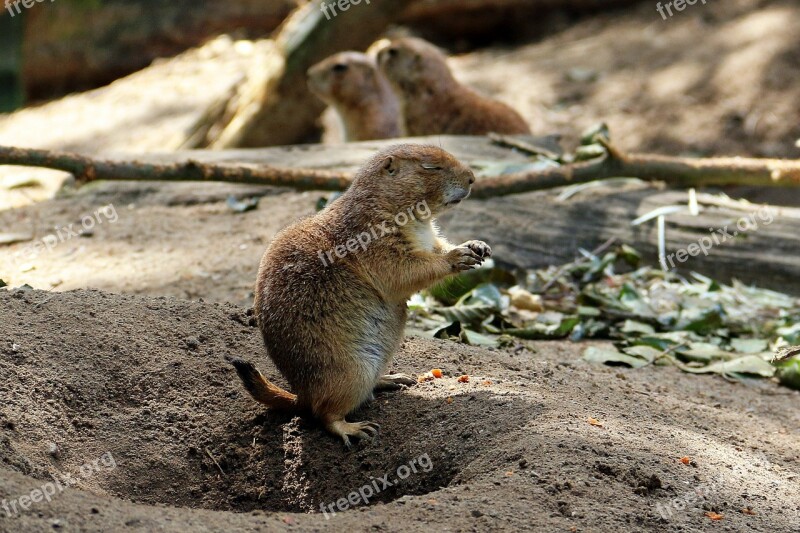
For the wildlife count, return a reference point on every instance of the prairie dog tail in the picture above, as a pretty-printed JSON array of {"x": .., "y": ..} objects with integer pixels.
[{"x": 261, "y": 389}]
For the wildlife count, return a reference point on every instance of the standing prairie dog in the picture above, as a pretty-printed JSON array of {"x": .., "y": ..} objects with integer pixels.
[
  {"x": 433, "y": 102},
  {"x": 351, "y": 83},
  {"x": 332, "y": 288}
]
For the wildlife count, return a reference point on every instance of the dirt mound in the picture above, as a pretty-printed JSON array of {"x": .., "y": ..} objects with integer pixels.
[{"x": 131, "y": 399}]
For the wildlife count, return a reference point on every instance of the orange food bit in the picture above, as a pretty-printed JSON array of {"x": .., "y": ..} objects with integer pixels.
[
  {"x": 686, "y": 460},
  {"x": 714, "y": 516},
  {"x": 463, "y": 379},
  {"x": 437, "y": 373},
  {"x": 595, "y": 422}
]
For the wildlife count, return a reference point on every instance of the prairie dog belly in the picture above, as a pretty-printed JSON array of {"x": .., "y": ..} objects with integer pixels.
[{"x": 426, "y": 236}]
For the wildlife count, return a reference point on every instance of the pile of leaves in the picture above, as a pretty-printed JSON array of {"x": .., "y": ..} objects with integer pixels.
[{"x": 654, "y": 317}]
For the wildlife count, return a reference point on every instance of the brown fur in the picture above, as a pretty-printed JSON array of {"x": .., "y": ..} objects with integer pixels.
[
  {"x": 351, "y": 83},
  {"x": 433, "y": 102},
  {"x": 333, "y": 328}
]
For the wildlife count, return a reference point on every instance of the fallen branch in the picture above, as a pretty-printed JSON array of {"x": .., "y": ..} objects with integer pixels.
[
  {"x": 677, "y": 171},
  {"x": 86, "y": 169}
]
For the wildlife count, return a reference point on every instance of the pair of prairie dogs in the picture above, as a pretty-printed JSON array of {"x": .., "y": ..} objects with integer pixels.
[{"x": 408, "y": 90}]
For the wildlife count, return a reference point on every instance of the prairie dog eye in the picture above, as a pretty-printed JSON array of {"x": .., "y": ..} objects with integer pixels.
[
  {"x": 427, "y": 166},
  {"x": 340, "y": 67}
]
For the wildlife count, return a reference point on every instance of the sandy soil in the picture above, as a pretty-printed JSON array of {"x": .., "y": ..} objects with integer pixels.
[{"x": 91, "y": 376}]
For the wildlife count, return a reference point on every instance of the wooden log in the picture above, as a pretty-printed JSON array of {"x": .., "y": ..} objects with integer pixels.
[
  {"x": 535, "y": 230},
  {"x": 71, "y": 45},
  {"x": 274, "y": 105}
]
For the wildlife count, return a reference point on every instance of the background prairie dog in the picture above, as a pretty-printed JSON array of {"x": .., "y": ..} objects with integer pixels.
[
  {"x": 433, "y": 102},
  {"x": 351, "y": 83},
  {"x": 332, "y": 327}
]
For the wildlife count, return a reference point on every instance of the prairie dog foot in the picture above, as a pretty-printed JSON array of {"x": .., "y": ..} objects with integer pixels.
[
  {"x": 359, "y": 430},
  {"x": 394, "y": 382}
]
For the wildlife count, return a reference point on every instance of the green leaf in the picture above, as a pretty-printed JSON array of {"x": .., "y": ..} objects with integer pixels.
[
  {"x": 589, "y": 151},
  {"x": 590, "y": 135},
  {"x": 704, "y": 352},
  {"x": 749, "y": 346},
  {"x": 540, "y": 331},
  {"x": 584, "y": 310},
  {"x": 454, "y": 288},
  {"x": 478, "y": 339},
  {"x": 707, "y": 322},
  {"x": 485, "y": 294},
  {"x": 644, "y": 352},
  {"x": 749, "y": 364},
  {"x": 467, "y": 314},
  {"x": 631, "y": 326},
  {"x": 630, "y": 255},
  {"x": 606, "y": 355},
  {"x": 3, "y": 283},
  {"x": 790, "y": 333}
]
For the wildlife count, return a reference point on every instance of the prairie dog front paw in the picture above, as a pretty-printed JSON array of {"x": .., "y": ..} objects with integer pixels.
[
  {"x": 480, "y": 248},
  {"x": 463, "y": 258}
]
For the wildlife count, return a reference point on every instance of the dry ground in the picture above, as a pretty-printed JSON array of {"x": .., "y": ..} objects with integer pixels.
[{"x": 88, "y": 373}]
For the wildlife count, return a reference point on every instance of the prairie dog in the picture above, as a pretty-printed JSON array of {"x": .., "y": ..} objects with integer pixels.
[
  {"x": 351, "y": 83},
  {"x": 332, "y": 327},
  {"x": 433, "y": 102}
]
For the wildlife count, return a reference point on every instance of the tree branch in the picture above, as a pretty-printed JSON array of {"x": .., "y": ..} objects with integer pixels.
[
  {"x": 86, "y": 169},
  {"x": 677, "y": 171}
]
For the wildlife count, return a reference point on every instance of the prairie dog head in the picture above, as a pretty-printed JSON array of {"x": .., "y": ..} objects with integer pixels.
[
  {"x": 404, "y": 175},
  {"x": 410, "y": 63},
  {"x": 345, "y": 79}
]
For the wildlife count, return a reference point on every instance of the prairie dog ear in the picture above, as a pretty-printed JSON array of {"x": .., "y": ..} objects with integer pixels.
[{"x": 390, "y": 165}]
